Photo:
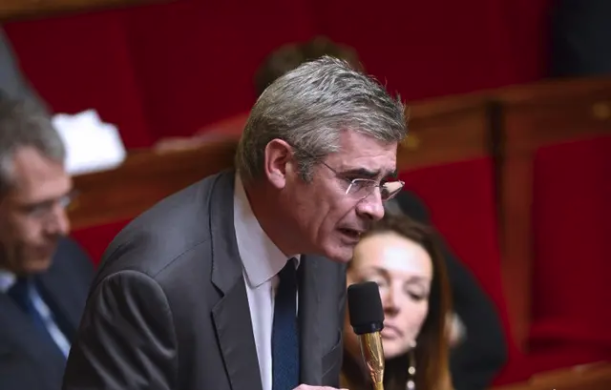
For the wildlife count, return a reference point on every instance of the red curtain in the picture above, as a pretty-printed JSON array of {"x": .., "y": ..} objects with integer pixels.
[{"x": 170, "y": 69}]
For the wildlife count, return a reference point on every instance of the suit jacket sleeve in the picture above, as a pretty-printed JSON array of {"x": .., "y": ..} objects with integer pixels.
[
  {"x": 478, "y": 358},
  {"x": 126, "y": 339}
]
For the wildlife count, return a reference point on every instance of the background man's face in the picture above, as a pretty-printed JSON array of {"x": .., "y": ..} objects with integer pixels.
[{"x": 32, "y": 213}]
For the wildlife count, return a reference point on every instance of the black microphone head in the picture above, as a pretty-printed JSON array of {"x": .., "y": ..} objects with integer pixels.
[{"x": 365, "y": 308}]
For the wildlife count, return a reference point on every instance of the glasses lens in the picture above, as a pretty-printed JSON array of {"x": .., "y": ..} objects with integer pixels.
[
  {"x": 390, "y": 189},
  {"x": 361, "y": 187}
]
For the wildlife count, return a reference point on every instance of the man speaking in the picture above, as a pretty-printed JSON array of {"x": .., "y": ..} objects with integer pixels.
[{"x": 238, "y": 281}]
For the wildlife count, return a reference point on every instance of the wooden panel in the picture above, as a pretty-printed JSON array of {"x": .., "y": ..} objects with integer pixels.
[
  {"x": 588, "y": 377},
  {"x": 445, "y": 130},
  {"x": 549, "y": 113},
  {"x": 145, "y": 178},
  {"x": 16, "y": 9},
  {"x": 516, "y": 244},
  {"x": 532, "y": 117}
]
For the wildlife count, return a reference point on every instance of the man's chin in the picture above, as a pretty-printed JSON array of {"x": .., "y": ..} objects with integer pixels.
[
  {"x": 36, "y": 266},
  {"x": 339, "y": 254}
]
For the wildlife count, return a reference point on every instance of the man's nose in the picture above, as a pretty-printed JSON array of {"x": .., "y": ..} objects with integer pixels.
[
  {"x": 371, "y": 207},
  {"x": 58, "y": 223}
]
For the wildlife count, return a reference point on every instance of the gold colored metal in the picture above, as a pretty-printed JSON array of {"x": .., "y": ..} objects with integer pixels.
[
  {"x": 411, "y": 142},
  {"x": 373, "y": 355},
  {"x": 601, "y": 110}
]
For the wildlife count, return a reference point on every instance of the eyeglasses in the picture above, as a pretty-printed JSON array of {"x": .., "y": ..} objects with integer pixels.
[
  {"x": 44, "y": 211},
  {"x": 362, "y": 188}
]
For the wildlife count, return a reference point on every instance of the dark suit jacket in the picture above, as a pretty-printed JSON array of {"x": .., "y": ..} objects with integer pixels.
[
  {"x": 580, "y": 38},
  {"x": 169, "y": 310},
  {"x": 28, "y": 361},
  {"x": 477, "y": 360}
]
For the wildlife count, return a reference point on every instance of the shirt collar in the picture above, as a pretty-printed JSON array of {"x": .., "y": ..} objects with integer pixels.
[
  {"x": 7, "y": 280},
  {"x": 261, "y": 258}
]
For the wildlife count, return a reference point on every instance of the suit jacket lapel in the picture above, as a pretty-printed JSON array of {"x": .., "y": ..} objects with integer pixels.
[
  {"x": 231, "y": 314},
  {"x": 19, "y": 332},
  {"x": 309, "y": 322},
  {"x": 60, "y": 298}
]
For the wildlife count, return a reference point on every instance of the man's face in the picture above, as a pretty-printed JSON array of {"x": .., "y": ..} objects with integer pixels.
[
  {"x": 32, "y": 213},
  {"x": 327, "y": 217}
]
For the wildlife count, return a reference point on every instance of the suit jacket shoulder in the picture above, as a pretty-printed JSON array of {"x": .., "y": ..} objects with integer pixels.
[
  {"x": 159, "y": 236},
  {"x": 171, "y": 286}
]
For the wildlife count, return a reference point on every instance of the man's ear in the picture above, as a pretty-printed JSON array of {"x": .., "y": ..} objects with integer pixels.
[{"x": 278, "y": 155}]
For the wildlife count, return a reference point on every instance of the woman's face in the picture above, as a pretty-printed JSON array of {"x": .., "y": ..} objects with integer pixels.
[{"x": 404, "y": 271}]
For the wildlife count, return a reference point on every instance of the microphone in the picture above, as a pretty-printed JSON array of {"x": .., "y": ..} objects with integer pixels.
[{"x": 367, "y": 320}]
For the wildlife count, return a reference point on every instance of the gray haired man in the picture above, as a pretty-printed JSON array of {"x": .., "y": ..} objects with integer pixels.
[
  {"x": 238, "y": 282},
  {"x": 44, "y": 276}
]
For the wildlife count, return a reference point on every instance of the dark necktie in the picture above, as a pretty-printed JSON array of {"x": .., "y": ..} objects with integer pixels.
[
  {"x": 285, "y": 340},
  {"x": 21, "y": 294}
]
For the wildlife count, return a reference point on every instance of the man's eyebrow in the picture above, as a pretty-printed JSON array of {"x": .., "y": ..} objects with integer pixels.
[
  {"x": 361, "y": 173},
  {"x": 49, "y": 201},
  {"x": 365, "y": 173},
  {"x": 392, "y": 173}
]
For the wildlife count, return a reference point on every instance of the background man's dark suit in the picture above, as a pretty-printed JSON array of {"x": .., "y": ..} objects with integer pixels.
[
  {"x": 580, "y": 38},
  {"x": 477, "y": 360},
  {"x": 30, "y": 362},
  {"x": 169, "y": 308}
]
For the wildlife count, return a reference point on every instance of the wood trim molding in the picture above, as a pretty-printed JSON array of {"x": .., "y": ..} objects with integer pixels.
[
  {"x": 20, "y": 9},
  {"x": 533, "y": 117},
  {"x": 596, "y": 376},
  {"x": 142, "y": 180}
]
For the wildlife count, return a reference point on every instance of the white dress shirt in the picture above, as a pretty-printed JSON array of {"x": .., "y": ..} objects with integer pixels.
[
  {"x": 261, "y": 261},
  {"x": 7, "y": 280}
]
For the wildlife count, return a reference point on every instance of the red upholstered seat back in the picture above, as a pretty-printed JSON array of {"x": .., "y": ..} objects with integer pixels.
[
  {"x": 167, "y": 69},
  {"x": 572, "y": 262},
  {"x": 460, "y": 197},
  {"x": 95, "y": 239},
  {"x": 82, "y": 62}
]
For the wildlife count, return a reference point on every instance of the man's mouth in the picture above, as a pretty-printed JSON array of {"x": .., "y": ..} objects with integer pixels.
[
  {"x": 47, "y": 249},
  {"x": 351, "y": 233}
]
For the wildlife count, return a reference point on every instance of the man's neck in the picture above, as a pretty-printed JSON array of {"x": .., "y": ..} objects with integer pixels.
[{"x": 262, "y": 202}]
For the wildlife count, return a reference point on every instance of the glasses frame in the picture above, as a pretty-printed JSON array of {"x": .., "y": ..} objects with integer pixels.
[{"x": 352, "y": 182}]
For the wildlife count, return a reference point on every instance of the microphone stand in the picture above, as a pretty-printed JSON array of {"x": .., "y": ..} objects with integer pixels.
[{"x": 373, "y": 355}]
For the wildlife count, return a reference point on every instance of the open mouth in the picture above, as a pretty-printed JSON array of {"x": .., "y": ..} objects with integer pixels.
[{"x": 350, "y": 233}]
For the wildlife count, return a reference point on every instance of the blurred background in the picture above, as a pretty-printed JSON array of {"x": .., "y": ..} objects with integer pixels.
[{"x": 509, "y": 145}]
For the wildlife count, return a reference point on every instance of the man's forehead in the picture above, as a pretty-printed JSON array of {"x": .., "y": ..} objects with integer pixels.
[
  {"x": 370, "y": 159},
  {"x": 38, "y": 178}
]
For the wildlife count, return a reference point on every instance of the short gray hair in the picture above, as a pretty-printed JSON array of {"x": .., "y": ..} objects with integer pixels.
[
  {"x": 309, "y": 107},
  {"x": 22, "y": 124}
]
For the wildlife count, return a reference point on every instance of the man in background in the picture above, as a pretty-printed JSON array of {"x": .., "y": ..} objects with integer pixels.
[{"x": 44, "y": 276}]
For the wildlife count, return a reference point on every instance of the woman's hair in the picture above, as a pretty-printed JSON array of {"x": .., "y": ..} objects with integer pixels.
[{"x": 432, "y": 349}]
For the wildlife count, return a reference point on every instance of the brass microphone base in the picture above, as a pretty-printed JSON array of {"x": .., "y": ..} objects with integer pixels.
[{"x": 373, "y": 355}]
